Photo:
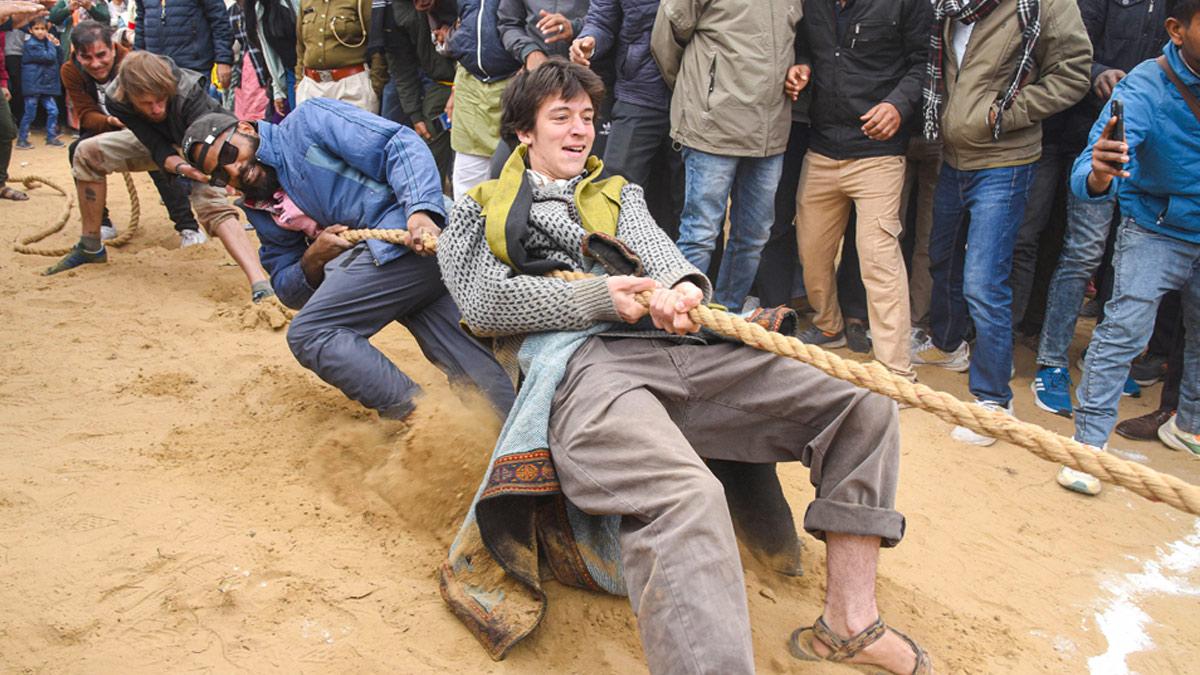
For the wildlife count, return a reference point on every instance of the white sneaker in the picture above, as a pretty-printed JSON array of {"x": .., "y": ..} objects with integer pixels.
[
  {"x": 191, "y": 238},
  {"x": 1078, "y": 481},
  {"x": 108, "y": 232},
  {"x": 965, "y": 435}
]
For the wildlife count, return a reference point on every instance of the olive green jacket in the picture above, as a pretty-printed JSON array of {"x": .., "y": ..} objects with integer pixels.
[
  {"x": 726, "y": 61},
  {"x": 331, "y": 34},
  {"x": 1060, "y": 78}
]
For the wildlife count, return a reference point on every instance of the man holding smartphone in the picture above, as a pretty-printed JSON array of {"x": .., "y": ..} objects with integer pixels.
[{"x": 1152, "y": 172}]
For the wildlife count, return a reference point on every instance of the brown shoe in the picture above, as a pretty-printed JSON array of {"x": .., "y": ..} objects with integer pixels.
[{"x": 1144, "y": 428}]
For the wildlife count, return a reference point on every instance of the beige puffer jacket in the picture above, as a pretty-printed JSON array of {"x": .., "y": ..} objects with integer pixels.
[{"x": 726, "y": 61}]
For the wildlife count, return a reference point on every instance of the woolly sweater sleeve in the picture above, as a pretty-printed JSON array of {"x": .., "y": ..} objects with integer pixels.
[
  {"x": 496, "y": 301},
  {"x": 660, "y": 257}
]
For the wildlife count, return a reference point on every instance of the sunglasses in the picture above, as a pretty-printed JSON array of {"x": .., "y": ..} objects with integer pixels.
[{"x": 227, "y": 155}]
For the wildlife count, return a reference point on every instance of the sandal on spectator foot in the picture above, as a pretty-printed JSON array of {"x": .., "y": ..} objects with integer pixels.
[{"x": 841, "y": 649}]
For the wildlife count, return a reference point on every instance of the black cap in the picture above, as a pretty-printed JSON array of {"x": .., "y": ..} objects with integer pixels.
[{"x": 206, "y": 129}]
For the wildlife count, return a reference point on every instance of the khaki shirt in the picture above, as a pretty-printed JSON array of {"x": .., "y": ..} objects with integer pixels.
[{"x": 332, "y": 34}]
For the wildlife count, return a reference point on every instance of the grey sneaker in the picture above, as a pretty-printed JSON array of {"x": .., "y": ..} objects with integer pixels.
[
  {"x": 108, "y": 232},
  {"x": 924, "y": 353},
  {"x": 815, "y": 336}
]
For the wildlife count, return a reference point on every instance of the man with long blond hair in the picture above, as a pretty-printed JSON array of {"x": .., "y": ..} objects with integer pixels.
[{"x": 156, "y": 101}]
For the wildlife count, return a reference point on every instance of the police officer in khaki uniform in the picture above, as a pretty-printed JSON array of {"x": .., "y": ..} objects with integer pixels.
[{"x": 331, "y": 52}]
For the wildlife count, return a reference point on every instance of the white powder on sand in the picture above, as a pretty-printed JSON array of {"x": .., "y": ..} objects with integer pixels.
[{"x": 1122, "y": 621}]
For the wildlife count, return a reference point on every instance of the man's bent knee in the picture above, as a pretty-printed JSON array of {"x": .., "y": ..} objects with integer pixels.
[
  {"x": 88, "y": 165},
  {"x": 304, "y": 338}
]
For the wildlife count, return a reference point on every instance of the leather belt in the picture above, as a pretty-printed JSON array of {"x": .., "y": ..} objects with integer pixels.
[{"x": 333, "y": 75}]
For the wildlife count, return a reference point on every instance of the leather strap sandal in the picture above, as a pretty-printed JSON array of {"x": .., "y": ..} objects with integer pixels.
[
  {"x": 841, "y": 649},
  {"x": 15, "y": 195}
]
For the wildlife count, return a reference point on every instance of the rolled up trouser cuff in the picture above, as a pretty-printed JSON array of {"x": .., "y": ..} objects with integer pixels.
[{"x": 825, "y": 515}]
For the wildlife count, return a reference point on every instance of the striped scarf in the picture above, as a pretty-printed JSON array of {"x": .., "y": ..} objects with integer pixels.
[{"x": 970, "y": 11}]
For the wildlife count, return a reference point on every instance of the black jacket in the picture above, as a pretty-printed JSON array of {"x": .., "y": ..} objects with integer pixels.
[
  {"x": 879, "y": 57},
  {"x": 1123, "y": 33},
  {"x": 186, "y": 106}
]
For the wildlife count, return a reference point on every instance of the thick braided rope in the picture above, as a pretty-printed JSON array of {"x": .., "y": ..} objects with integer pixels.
[
  {"x": 24, "y": 244},
  {"x": 391, "y": 236},
  {"x": 873, "y": 376}
]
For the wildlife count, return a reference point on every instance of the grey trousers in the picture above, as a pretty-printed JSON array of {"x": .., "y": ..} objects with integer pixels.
[
  {"x": 632, "y": 422},
  {"x": 331, "y": 334}
]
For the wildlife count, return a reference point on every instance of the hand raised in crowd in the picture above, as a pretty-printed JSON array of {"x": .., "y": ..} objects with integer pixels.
[
  {"x": 582, "y": 50},
  {"x": 796, "y": 80},
  {"x": 1105, "y": 82},
  {"x": 669, "y": 308},
  {"x": 1108, "y": 160},
  {"x": 20, "y": 11},
  {"x": 535, "y": 59},
  {"x": 881, "y": 122},
  {"x": 327, "y": 246},
  {"x": 281, "y": 106},
  {"x": 623, "y": 289},
  {"x": 555, "y": 27},
  {"x": 53, "y": 40},
  {"x": 421, "y": 225},
  {"x": 224, "y": 71}
]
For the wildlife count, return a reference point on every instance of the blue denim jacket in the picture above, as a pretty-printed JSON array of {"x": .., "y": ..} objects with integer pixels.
[
  {"x": 1161, "y": 193},
  {"x": 341, "y": 166}
]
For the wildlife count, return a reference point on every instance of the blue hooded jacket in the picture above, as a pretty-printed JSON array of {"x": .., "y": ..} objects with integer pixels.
[
  {"x": 476, "y": 42},
  {"x": 1162, "y": 193},
  {"x": 342, "y": 166},
  {"x": 39, "y": 68}
]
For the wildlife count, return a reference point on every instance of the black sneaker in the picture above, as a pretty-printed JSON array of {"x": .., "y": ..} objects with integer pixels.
[
  {"x": 815, "y": 336},
  {"x": 1148, "y": 369},
  {"x": 857, "y": 339}
]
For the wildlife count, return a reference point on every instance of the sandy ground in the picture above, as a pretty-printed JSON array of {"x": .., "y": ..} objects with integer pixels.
[{"x": 178, "y": 494}]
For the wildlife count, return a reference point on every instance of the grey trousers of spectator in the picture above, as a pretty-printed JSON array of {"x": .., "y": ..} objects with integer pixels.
[
  {"x": 631, "y": 424},
  {"x": 331, "y": 334}
]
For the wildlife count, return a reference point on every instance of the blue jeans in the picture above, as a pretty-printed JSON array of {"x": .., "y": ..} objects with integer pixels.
[
  {"x": 31, "y": 107},
  {"x": 976, "y": 215},
  {"x": 707, "y": 186},
  {"x": 1146, "y": 266},
  {"x": 1088, "y": 225}
]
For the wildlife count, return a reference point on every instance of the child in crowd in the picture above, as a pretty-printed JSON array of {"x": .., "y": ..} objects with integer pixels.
[{"x": 40, "y": 61}]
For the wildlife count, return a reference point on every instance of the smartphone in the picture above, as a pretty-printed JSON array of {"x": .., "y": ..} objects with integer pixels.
[
  {"x": 1118, "y": 111},
  {"x": 440, "y": 123}
]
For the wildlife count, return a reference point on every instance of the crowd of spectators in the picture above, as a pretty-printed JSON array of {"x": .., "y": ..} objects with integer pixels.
[{"x": 901, "y": 168}]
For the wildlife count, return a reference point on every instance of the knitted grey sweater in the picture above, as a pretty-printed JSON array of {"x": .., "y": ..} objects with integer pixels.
[{"x": 497, "y": 302}]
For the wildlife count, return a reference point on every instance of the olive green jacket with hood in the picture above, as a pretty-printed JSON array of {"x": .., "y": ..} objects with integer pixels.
[
  {"x": 1060, "y": 78},
  {"x": 726, "y": 61}
]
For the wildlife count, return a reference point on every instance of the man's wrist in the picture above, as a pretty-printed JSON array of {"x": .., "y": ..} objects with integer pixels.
[{"x": 1096, "y": 185}]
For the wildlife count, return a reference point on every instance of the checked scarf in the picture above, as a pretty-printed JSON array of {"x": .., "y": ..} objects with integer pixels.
[{"x": 970, "y": 11}]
